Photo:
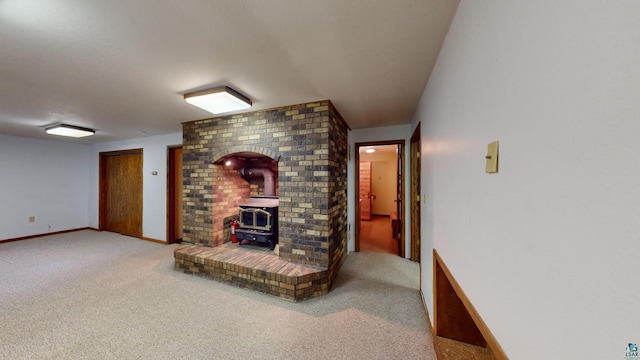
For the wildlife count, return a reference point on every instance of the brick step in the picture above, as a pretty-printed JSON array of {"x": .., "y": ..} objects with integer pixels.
[{"x": 253, "y": 268}]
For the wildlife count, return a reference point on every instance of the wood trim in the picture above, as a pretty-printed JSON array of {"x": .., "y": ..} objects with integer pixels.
[
  {"x": 46, "y": 234},
  {"x": 102, "y": 186},
  {"x": 68, "y": 231},
  {"x": 402, "y": 176},
  {"x": 172, "y": 205},
  {"x": 154, "y": 240},
  {"x": 416, "y": 134},
  {"x": 435, "y": 290},
  {"x": 356, "y": 232},
  {"x": 414, "y": 196},
  {"x": 492, "y": 343}
]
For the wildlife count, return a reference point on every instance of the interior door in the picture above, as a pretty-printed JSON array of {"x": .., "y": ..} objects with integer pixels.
[
  {"x": 174, "y": 186},
  {"x": 365, "y": 190},
  {"x": 121, "y": 192}
]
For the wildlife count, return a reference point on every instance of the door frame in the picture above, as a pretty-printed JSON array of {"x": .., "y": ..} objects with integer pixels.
[
  {"x": 102, "y": 182},
  {"x": 171, "y": 189},
  {"x": 415, "y": 195},
  {"x": 401, "y": 197}
]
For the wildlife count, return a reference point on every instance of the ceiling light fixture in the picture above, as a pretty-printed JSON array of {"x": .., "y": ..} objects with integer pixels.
[
  {"x": 370, "y": 150},
  {"x": 69, "y": 130},
  {"x": 218, "y": 100}
]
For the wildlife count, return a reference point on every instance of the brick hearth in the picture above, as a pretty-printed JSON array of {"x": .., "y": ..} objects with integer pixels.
[
  {"x": 253, "y": 268},
  {"x": 307, "y": 146}
]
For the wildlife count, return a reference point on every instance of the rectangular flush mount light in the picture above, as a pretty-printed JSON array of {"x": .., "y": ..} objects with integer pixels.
[
  {"x": 69, "y": 130},
  {"x": 218, "y": 100}
]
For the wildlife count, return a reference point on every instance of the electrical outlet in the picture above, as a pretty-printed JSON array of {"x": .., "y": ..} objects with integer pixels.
[{"x": 32, "y": 219}]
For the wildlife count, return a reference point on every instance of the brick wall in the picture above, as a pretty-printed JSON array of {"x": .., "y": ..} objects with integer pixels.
[
  {"x": 339, "y": 156},
  {"x": 308, "y": 142}
]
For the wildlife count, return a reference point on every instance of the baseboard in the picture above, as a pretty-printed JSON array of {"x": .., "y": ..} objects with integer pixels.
[
  {"x": 492, "y": 344},
  {"x": 430, "y": 324},
  {"x": 46, "y": 234},
  {"x": 68, "y": 231},
  {"x": 154, "y": 240},
  {"x": 426, "y": 311}
]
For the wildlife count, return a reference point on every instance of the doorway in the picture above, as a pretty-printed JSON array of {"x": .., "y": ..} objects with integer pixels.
[
  {"x": 380, "y": 195},
  {"x": 174, "y": 195},
  {"x": 120, "y": 184},
  {"x": 415, "y": 194}
]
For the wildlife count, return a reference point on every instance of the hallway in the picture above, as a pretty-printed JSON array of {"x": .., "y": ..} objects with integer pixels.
[{"x": 375, "y": 236}]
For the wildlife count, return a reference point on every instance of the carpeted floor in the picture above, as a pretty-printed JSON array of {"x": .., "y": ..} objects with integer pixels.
[
  {"x": 455, "y": 350},
  {"x": 99, "y": 295},
  {"x": 376, "y": 235}
]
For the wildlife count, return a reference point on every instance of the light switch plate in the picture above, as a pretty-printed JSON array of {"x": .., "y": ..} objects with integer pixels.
[{"x": 492, "y": 158}]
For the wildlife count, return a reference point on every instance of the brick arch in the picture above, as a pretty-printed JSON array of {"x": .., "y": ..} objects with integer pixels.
[{"x": 221, "y": 153}]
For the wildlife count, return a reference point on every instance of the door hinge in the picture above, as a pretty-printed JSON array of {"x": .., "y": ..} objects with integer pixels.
[
  {"x": 418, "y": 154},
  {"x": 418, "y": 198}
]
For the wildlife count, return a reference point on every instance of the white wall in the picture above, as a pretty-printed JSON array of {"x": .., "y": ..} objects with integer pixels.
[
  {"x": 42, "y": 178},
  {"x": 546, "y": 249},
  {"x": 154, "y": 194},
  {"x": 400, "y": 132}
]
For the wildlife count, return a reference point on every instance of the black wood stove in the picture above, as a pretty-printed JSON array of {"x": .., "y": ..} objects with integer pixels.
[{"x": 258, "y": 220}]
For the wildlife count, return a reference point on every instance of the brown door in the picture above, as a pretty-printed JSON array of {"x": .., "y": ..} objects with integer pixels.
[
  {"x": 399, "y": 197},
  {"x": 415, "y": 195},
  {"x": 121, "y": 192},
  {"x": 174, "y": 197},
  {"x": 365, "y": 190}
]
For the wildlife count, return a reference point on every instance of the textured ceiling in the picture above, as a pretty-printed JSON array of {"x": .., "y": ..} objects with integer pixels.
[{"x": 121, "y": 67}]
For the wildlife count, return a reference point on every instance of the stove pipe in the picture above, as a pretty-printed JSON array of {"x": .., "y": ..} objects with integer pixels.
[{"x": 267, "y": 174}]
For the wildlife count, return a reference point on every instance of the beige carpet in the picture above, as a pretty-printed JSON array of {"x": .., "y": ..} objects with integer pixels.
[
  {"x": 455, "y": 350},
  {"x": 376, "y": 235},
  {"x": 91, "y": 295}
]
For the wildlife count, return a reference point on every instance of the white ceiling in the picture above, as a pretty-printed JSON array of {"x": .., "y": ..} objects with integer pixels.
[{"x": 122, "y": 66}]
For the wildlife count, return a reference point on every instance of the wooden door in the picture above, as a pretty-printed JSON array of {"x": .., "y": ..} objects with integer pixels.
[
  {"x": 121, "y": 192},
  {"x": 399, "y": 198},
  {"x": 415, "y": 195},
  {"x": 365, "y": 190},
  {"x": 174, "y": 191}
]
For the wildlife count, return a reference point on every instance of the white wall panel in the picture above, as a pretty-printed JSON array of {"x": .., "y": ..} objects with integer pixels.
[
  {"x": 44, "y": 179},
  {"x": 546, "y": 248}
]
